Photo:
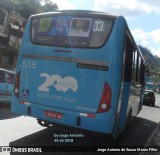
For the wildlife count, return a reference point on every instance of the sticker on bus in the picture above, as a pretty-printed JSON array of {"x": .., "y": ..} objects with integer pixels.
[
  {"x": 80, "y": 27},
  {"x": 60, "y": 84}
]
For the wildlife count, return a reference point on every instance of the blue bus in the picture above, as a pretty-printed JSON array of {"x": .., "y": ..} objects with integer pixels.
[{"x": 79, "y": 69}]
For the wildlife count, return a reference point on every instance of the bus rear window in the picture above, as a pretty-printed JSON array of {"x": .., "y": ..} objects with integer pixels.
[{"x": 69, "y": 31}]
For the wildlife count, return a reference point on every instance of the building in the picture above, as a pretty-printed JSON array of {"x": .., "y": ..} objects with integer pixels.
[{"x": 11, "y": 31}]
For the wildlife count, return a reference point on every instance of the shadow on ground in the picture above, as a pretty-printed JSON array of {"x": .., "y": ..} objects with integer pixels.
[
  {"x": 151, "y": 106},
  {"x": 136, "y": 135},
  {"x": 5, "y": 111},
  {"x": 157, "y": 106}
]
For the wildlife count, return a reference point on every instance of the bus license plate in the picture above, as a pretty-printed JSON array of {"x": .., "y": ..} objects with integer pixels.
[{"x": 52, "y": 114}]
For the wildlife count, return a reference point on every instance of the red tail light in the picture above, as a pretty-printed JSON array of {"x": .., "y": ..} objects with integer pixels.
[
  {"x": 16, "y": 85},
  {"x": 105, "y": 102}
]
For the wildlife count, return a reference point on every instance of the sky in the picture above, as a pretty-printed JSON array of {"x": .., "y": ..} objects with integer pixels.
[{"x": 143, "y": 17}]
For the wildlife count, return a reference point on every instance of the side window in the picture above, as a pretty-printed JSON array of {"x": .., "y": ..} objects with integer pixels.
[
  {"x": 128, "y": 60},
  {"x": 142, "y": 70},
  {"x": 2, "y": 76},
  {"x": 134, "y": 65},
  {"x": 136, "y": 68},
  {"x": 10, "y": 78},
  {"x": 133, "y": 68},
  {"x": 2, "y": 17},
  {"x": 139, "y": 69}
]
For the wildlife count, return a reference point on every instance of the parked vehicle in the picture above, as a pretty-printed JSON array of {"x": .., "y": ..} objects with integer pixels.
[
  {"x": 149, "y": 98},
  {"x": 6, "y": 84}
]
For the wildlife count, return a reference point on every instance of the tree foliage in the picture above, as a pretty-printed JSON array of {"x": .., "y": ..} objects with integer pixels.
[
  {"x": 49, "y": 6},
  {"x": 152, "y": 61},
  {"x": 29, "y": 7}
]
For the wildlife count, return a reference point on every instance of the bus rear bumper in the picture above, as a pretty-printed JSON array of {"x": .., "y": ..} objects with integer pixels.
[{"x": 101, "y": 122}]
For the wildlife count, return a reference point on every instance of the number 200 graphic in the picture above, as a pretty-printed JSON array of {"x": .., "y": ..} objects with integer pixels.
[{"x": 60, "y": 84}]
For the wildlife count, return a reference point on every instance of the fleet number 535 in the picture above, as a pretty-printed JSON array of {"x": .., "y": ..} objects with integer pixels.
[{"x": 29, "y": 64}]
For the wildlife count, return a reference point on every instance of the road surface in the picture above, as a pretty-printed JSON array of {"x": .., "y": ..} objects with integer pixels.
[{"x": 16, "y": 130}]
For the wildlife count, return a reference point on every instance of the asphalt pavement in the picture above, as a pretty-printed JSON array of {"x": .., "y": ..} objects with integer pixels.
[
  {"x": 154, "y": 139},
  {"x": 153, "y": 142}
]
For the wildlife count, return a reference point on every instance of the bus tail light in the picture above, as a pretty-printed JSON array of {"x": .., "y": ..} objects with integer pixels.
[
  {"x": 105, "y": 102},
  {"x": 17, "y": 85}
]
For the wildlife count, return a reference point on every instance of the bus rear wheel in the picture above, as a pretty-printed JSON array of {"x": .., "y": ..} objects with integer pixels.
[{"x": 44, "y": 123}]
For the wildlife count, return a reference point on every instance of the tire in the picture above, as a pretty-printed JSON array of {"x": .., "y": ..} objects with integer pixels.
[{"x": 153, "y": 104}]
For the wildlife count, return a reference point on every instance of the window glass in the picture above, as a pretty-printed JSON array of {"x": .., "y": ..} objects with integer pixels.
[
  {"x": 134, "y": 66},
  {"x": 137, "y": 68},
  {"x": 2, "y": 76},
  {"x": 70, "y": 31},
  {"x": 10, "y": 77},
  {"x": 2, "y": 17}
]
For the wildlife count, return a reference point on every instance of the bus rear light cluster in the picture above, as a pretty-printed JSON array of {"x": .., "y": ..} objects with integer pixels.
[
  {"x": 105, "y": 102},
  {"x": 17, "y": 85}
]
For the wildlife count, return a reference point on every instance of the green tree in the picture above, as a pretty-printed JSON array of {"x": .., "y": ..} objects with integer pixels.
[
  {"x": 28, "y": 7},
  {"x": 48, "y": 6}
]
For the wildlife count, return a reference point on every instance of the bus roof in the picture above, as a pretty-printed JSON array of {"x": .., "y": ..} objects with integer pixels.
[{"x": 78, "y": 12}]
